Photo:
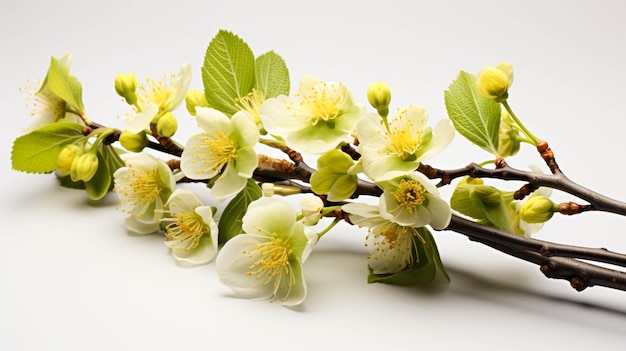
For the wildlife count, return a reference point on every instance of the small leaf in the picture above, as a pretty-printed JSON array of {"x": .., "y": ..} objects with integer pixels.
[
  {"x": 37, "y": 151},
  {"x": 474, "y": 116},
  {"x": 228, "y": 71},
  {"x": 428, "y": 270},
  {"x": 230, "y": 222},
  {"x": 65, "y": 86},
  {"x": 272, "y": 75}
]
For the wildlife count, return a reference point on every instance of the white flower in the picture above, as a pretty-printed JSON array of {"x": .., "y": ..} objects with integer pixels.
[
  {"x": 266, "y": 261},
  {"x": 157, "y": 98},
  {"x": 225, "y": 148},
  {"x": 392, "y": 244},
  {"x": 47, "y": 106},
  {"x": 319, "y": 117},
  {"x": 191, "y": 232},
  {"x": 413, "y": 201},
  {"x": 143, "y": 187},
  {"x": 395, "y": 149}
]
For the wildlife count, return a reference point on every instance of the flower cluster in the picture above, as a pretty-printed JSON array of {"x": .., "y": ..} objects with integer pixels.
[{"x": 258, "y": 241}]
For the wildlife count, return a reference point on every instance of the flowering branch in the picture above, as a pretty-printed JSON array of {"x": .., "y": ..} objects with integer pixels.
[{"x": 259, "y": 241}]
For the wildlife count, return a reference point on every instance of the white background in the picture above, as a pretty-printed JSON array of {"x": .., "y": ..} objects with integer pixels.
[{"x": 72, "y": 278}]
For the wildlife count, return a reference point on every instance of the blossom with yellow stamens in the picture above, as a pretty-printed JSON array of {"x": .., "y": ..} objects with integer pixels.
[
  {"x": 224, "y": 149},
  {"x": 156, "y": 98},
  {"x": 396, "y": 148},
  {"x": 143, "y": 187},
  {"x": 47, "y": 106},
  {"x": 392, "y": 245},
  {"x": 266, "y": 261},
  {"x": 317, "y": 119},
  {"x": 190, "y": 230},
  {"x": 414, "y": 201}
]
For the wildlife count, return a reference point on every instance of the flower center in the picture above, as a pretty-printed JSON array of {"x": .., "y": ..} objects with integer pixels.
[
  {"x": 155, "y": 91},
  {"x": 221, "y": 150},
  {"x": 404, "y": 139},
  {"x": 393, "y": 243},
  {"x": 322, "y": 101},
  {"x": 273, "y": 262},
  {"x": 187, "y": 229},
  {"x": 410, "y": 194},
  {"x": 43, "y": 102},
  {"x": 252, "y": 104},
  {"x": 140, "y": 189}
]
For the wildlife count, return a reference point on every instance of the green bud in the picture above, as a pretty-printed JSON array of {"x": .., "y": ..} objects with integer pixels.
[
  {"x": 134, "y": 142},
  {"x": 84, "y": 167},
  {"x": 537, "y": 209},
  {"x": 379, "y": 96},
  {"x": 167, "y": 125},
  {"x": 66, "y": 157},
  {"x": 193, "y": 99},
  {"x": 494, "y": 82},
  {"x": 126, "y": 86},
  {"x": 509, "y": 143}
]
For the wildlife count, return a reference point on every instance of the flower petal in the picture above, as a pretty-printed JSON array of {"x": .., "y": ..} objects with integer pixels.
[{"x": 141, "y": 121}]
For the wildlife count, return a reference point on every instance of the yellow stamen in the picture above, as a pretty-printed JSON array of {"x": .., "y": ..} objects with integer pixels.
[
  {"x": 187, "y": 229},
  {"x": 220, "y": 149},
  {"x": 410, "y": 194},
  {"x": 252, "y": 104},
  {"x": 322, "y": 101},
  {"x": 141, "y": 188},
  {"x": 404, "y": 138},
  {"x": 273, "y": 262},
  {"x": 155, "y": 91}
]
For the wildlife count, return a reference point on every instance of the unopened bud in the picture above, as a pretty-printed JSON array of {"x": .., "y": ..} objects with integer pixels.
[
  {"x": 126, "y": 86},
  {"x": 167, "y": 125},
  {"x": 509, "y": 141},
  {"x": 193, "y": 99},
  {"x": 84, "y": 167},
  {"x": 66, "y": 157},
  {"x": 494, "y": 82},
  {"x": 537, "y": 209},
  {"x": 133, "y": 142},
  {"x": 311, "y": 207},
  {"x": 379, "y": 96}
]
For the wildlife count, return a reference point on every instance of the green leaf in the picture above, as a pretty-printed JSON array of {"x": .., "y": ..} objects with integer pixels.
[
  {"x": 37, "y": 151},
  {"x": 230, "y": 222},
  {"x": 475, "y": 117},
  {"x": 228, "y": 71},
  {"x": 427, "y": 270},
  {"x": 64, "y": 85},
  {"x": 66, "y": 181},
  {"x": 272, "y": 75},
  {"x": 484, "y": 203}
]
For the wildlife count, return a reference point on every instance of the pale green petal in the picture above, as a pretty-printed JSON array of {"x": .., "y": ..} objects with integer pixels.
[
  {"x": 442, "y": 137},
  {"x": 292, "y": 289},
  {"x": 141, "y": 227},
  {"x": 380, "y": 167},
  {"x": 279, "y": 117},
  {"x": 212, "y": 120},
  {"x": 228, "y": 184},
  {"x": 371, "y": 132},
  {"x": 316, "y": 139},
  {"x": 343, "y": 188},
  {"x": 183, "y": 201},
  {"x": 233, "y": 263},
  {"x": 269, "y": 215},
  {"x": 245, "y": 131},
  {"x": 205, "y": 252},
  {"x": 246, "y": 162},
  {"x": 440, "y": 212},
  {"x": 179, "y": 88},
  {"x": 141, "y": 121},
  {"x": 192, "y": 164},
  {"x": 306, "y": 83}
]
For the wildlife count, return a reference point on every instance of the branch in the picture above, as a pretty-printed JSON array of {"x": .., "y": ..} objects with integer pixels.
[
  {"x": 556, "y": 261},
  {"x": 503, "y": 171}
]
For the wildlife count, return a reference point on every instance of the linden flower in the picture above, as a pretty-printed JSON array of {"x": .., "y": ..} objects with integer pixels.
[
  {"x": 392, "y": 244},
  {"x": 266, "y": 261},
  {"x": 157, "y": 98},
  {"x": 316, "y": 119},
  {"x": 413, "y": 201},
  {"x": 47, "y": 106},
  {"x": 143, "y": 187},
  {"x": 225, "y": 148},
  {"x": 191, "y": 232},
  {"x": 395, "y": 148}
]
